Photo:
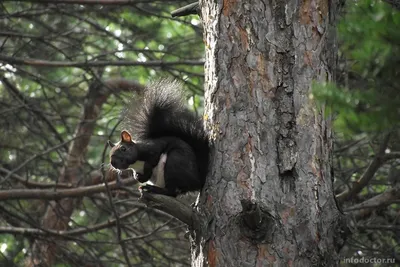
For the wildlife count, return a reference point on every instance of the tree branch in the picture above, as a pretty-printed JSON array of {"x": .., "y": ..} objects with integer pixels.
[
  {"x": 32, "y": 184},
  {"x": 37, "y": 113},
  {"x": 171, "y": 206},
  {"x": 191, "y": 9},
  {"x": 392, "y": 155},
  {"x": 84, "y": 2},
  {"x": 33, "y": 157},
  {"x": 66, "y": 234},
  {"x": 63, "y": 193},
  {"x": 45, "y": 63},
  {"x": 379, "y": 227},
  {"x": 368, "y": 174},
  {"x": 384, "y": 199}
]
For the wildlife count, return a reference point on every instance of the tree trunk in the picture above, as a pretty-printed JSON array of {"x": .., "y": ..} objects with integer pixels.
[{"x": 269, "y": 197}]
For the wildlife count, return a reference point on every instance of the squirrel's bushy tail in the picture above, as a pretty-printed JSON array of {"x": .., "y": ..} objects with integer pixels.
[{"x": 161, "y": 112}]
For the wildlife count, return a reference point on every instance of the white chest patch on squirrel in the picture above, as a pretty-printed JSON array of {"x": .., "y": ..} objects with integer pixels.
[{"x": 157, "y": 177}]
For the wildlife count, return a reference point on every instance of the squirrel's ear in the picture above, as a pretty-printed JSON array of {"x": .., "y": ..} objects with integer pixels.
[
  {"x": 110, "y": 143},
  {"x": 126, "y": 136}
]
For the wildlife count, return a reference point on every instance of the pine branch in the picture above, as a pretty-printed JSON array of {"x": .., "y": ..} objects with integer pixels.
[
  {"x": 191, "y": 9},
  {"x": 100, "y": 63}
]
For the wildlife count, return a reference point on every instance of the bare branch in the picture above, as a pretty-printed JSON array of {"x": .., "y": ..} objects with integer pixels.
[
  {"x": 34, "y": 157},
  {"x": 60, "y": 194},
  {"x": 45, "y": 63},
  {"x": 84, "y": 2},
  {"x": 392, "y": 155},
  {"x": 379, "y": 227},
  {"x": 170, "y": 205},
  {"x": 118, "y": 224},
  {"x": 26, "y": 103},
  {"x": 366, "y": 207},
  {"x": 190, "y": 9},
  {"x": 31, "y": 184},
  {"x": 66, "y": 234},
  {"x": 368, "y": 174}
]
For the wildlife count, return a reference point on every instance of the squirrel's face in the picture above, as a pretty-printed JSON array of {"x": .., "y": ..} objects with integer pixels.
[{"x": 124, "y": 153}]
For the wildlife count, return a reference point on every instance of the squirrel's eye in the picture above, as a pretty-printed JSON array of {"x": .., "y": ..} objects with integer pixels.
[{"x": 122, "y": 148}]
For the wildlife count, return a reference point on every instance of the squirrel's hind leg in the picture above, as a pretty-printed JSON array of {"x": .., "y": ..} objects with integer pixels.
[{"x": 181, "y": 172}]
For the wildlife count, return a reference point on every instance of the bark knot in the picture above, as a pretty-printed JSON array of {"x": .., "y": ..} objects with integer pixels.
[{"x": 257, "y": 222}]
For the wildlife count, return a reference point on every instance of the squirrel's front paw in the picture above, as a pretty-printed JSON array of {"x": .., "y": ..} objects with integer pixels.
[{"x": 145, "y": 188}]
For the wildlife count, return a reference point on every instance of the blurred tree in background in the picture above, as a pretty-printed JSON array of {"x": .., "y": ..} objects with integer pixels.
[{"x": 365, "y": 105}]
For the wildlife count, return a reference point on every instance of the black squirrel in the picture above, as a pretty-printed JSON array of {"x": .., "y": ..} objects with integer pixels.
[{"x": 170, "y": 141}]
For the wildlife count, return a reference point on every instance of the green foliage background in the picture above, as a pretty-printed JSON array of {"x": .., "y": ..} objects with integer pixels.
[
  {"x": 368, "y": 100},
  {"x": 364, "y": 106}
]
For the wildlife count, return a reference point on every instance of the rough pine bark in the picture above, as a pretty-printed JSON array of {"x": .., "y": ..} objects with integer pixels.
[{"x": 269, "y": 198}]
